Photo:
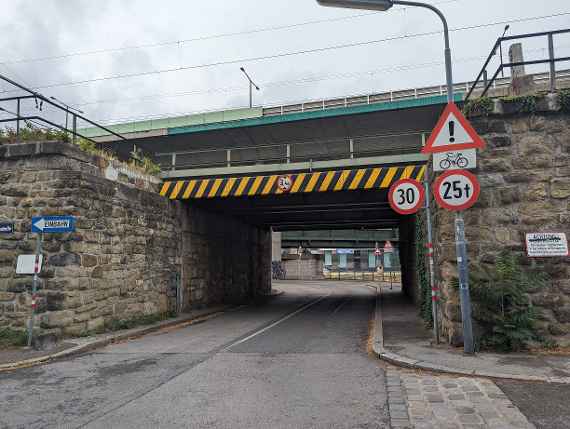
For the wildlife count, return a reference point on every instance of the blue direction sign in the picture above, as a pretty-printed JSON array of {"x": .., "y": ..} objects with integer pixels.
[
  {"x": 53, "y": 224},
  {"x": 6, "y": 227}
]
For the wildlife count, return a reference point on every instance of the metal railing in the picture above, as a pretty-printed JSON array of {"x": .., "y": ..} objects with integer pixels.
[
  {"x": 551, "y": 60},
  {"x": 364, "y": 99},
  {"x": 305, "y": 151},
  {"x": 40, "y": 99}
]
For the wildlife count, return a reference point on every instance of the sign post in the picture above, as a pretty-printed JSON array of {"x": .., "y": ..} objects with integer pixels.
[
  {"x": 35, "y": 287},
  {"x": 41, "y": 225},
  {"x": 457, "y": 190}
]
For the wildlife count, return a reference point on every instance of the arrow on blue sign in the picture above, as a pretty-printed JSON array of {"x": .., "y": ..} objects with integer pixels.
[{"x": 53, "y": 224}]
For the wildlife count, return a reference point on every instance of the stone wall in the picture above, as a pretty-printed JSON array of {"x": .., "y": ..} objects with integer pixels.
[
  {"x": 525, "y": 187},
  {"x": 224, "y": 260},
  {"x": 309, "y": 268},
  {"x": 132, "y": 248}
]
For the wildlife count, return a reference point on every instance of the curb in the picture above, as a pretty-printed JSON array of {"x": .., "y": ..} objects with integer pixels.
[
  {"x": 405, "y": 362},
  {"x": 102, "y": 342}
]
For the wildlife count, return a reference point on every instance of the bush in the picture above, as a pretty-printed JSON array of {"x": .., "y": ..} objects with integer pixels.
[
  {"x": 12, "y": 338},
  {"x": 564, "y": 99},
  {"x": 480, "y": 106},
  {"x": 502, "y": 306},
  {"x": 30, "y": 132}
]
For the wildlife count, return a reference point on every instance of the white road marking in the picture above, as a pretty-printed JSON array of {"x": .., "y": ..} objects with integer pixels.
[{"x": 274, "y": 324}]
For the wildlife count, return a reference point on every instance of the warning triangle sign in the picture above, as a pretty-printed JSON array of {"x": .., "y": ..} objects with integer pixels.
[{"x": 453, "y": 132}]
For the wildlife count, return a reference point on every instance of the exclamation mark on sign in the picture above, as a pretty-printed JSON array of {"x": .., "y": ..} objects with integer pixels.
[{"x": 452, "y": 131}]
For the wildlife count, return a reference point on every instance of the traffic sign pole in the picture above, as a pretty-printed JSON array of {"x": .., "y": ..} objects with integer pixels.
[
  {"x": 464, "y": 295},
  {"x": 35, "y": 282},
  {"x": 429, "y": 246}
]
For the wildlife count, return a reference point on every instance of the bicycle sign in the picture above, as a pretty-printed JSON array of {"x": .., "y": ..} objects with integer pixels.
[
  {"x": 406, "y": 196},
  {"x": 448, "y": 161},
  {"x": 456, "y": 190}
]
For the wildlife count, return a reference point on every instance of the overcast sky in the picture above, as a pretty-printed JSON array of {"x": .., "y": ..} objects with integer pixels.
[{"x": 193, "y": 35}]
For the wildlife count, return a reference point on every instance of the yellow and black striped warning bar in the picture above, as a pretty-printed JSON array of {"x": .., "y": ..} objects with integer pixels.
[{"x": 322, "y": 181}]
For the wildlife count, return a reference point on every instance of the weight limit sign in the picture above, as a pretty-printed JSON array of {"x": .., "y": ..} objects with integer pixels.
[
  {"x": 456, "y": 190},
  {"x": 406, "y": 196}
]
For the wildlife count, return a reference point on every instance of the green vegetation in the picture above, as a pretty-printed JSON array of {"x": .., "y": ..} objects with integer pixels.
[
  {"x": 422, "y": 273},
  {"x": 12, "y": 338},
  {"x": 479, "y": 106},
  {"x": 564, "y": 99},
  {"x": 120, "y": 324},
  {"x": 30, "y": 133},
  {"x": 502, "y": 306},
  {"x": 523, "y": 103}
]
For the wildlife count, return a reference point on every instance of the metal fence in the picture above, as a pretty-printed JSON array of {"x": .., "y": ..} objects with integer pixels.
[
  {"x": 552, "y": 60},
  {"x": 19, "y": 110},
  {"x": 305, "y": 151}
]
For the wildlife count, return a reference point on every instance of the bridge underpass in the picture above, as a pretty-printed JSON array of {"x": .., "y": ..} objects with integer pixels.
[
  {"x": 329, "y": 200},
  {"x": 340, "y": 161}
]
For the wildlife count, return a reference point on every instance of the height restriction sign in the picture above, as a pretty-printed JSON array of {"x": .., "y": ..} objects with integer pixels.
[
  {"x": 456, "y": 190},
  {"x": 406, "y": 196}
]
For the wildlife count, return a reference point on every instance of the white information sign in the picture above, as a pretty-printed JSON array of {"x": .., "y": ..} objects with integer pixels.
[
  {"x": 546, "y": 244},
  {"x": 460, "y": 160},
  {"x": 26, "y": 264}
]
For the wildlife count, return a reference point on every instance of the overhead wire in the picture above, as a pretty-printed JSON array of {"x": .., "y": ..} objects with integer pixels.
[
  {"x": 201, "y": 38},
  {"x": 291, "y": 53}
]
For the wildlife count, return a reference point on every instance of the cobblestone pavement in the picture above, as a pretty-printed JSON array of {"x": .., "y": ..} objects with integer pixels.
[{"x": 421, "y": 400}]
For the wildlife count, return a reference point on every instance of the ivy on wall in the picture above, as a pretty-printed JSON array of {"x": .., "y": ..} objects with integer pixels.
[{"x": 422, "y": 273}]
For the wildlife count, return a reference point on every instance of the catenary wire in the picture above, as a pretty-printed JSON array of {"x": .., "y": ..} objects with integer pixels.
[
  {"x": 200, "y": 38},
  {"x": 288, "y": 54}
]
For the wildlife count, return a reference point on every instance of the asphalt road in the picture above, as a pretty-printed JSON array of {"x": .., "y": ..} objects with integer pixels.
[
  {"x": 545, "y": 405},
  {"x": 299, "y": 361}
]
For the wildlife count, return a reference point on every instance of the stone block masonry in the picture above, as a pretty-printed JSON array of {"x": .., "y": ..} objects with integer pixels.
[
  {"x": 525, "y": 187},
  {"x": 131, "y": 250}
]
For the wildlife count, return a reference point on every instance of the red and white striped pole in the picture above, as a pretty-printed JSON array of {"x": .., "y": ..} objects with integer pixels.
[
  {"x": 429, "y": 246},
  {"x": 35, "y": 281}
]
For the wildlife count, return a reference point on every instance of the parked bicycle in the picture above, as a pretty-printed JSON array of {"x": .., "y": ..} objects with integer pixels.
[
  {"x": 278, "y": 271},
  {"x": 454, "y": 159}
]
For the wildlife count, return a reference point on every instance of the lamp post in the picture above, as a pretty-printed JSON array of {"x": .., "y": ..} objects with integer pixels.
[
  {"x": 461, "y": 249},
  {"x": 251, "y": 86}
]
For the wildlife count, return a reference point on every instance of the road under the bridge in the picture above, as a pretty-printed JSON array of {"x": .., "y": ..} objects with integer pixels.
[{"x": 299, "y": 361}]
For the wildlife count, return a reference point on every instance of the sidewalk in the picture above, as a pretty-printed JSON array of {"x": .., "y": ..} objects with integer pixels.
[
  {"x": 402, "y": 339},
  {"x": 25, "y": 357}
]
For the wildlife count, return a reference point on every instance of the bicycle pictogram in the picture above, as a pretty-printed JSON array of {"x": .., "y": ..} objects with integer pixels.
[{"x": 453, "y": 158}]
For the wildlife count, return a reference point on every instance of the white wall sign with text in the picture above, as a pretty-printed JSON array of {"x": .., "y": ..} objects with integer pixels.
[{"x": 546, "y": 244}]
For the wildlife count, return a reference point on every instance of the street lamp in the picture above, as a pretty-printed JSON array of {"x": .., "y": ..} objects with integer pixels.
[
  {"x": 251, "y": 86},
  {"x": 384, "y": 5}
]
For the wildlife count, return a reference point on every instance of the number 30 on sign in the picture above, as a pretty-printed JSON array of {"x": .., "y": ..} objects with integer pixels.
[
  {"x": 456, "y": 190},
  {"x": 406, "y": 196}
]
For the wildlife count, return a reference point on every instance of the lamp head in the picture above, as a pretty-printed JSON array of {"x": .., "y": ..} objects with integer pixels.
[{"x": 381, "y": 5}]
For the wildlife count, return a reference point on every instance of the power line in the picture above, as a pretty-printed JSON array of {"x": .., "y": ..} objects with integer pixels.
[
  {"x": 398, "y": 68},
  {"x": 300, "y": 81},
  {"x": 200, "y": 38},
  {"x": 290, "y": 54},
  {"x": 291, "y": 82}
]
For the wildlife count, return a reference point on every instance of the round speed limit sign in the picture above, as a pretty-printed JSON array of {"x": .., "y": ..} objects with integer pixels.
[
  {"x": 406, "y": 196},
  {"x": 456, "y": 190}
]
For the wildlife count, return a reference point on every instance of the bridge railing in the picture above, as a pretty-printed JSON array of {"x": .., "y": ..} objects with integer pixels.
[
  {"x": 304, "y": 151},
  {"x": 483, "y": 83},
  {"x": 28, "y": 107}
]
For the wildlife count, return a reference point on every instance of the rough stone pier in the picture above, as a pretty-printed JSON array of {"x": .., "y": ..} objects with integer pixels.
[{"x": 134, "y": 253}]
